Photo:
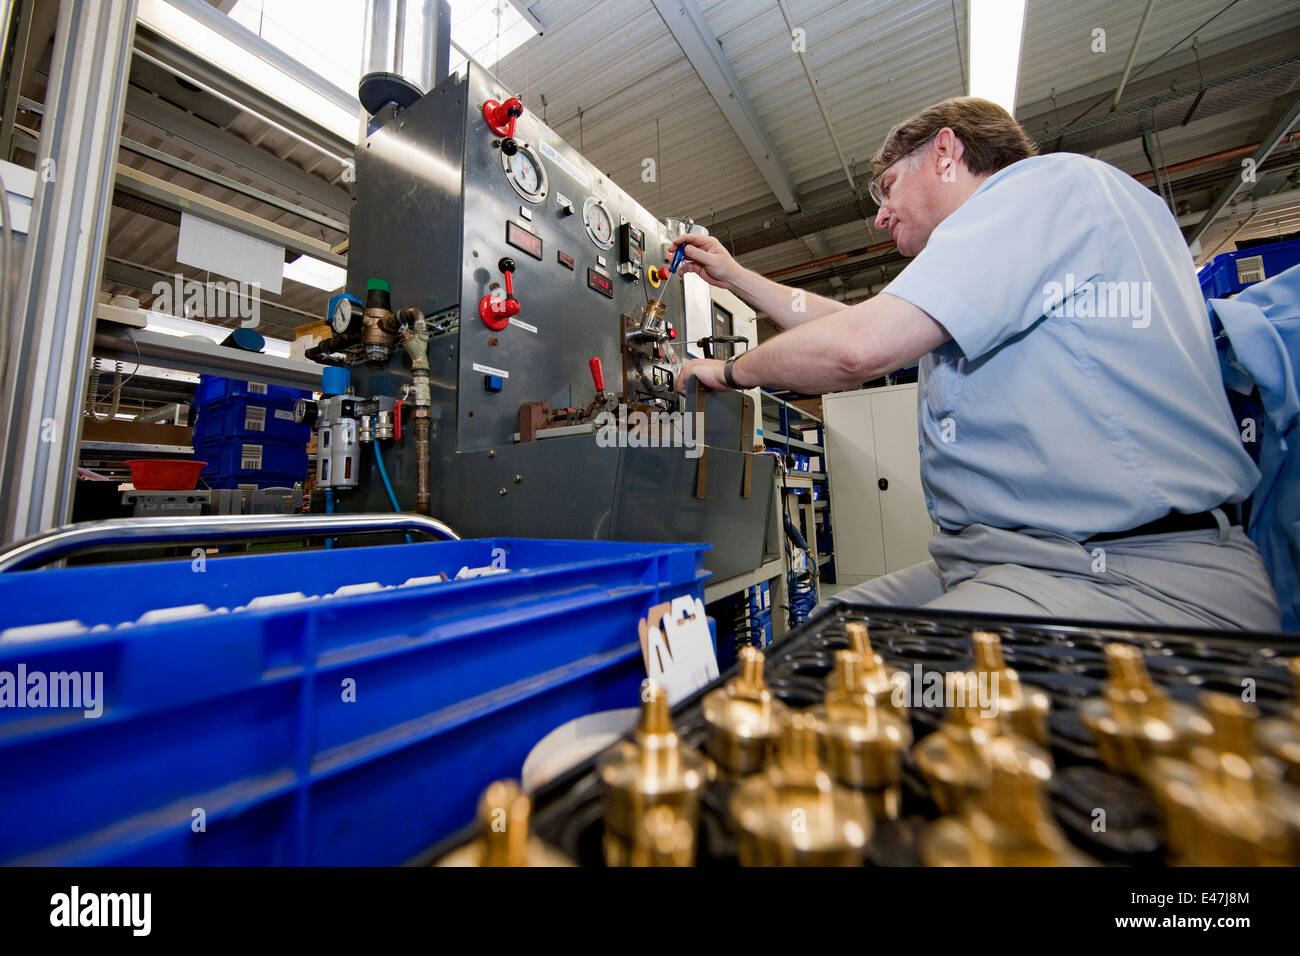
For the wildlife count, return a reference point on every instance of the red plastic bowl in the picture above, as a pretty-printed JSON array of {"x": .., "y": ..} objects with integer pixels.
[{"x": 164, "y": 474}]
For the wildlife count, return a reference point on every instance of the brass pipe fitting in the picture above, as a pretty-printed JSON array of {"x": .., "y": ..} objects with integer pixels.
[
  {"x": 744, "y": 718},
  {"x": 1022, "y": 709},
  {"x": 1007, "y": 825},
  {"x": 1134, "y": 721},
  {"x": 863, "y": 742},
  {"x": 505, "y": 837},
  {"x": 794, "y": 814},
  {"x": 955, "y": 758},
  {"x": 890, "y": 688},
  {"x": 663, "y": 839},
  {"x": 1227, "y": 804},
  {"x": 1280, "y": 738},
  {"x": 652, "y": 770}
]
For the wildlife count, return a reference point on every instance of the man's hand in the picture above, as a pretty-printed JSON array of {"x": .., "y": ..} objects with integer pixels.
[
  {"x": 709, "y": 259},
  {"x": 708, "y": 371}
]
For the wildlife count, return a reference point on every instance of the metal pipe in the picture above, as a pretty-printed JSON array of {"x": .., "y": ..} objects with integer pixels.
[
  {"x": 53, "y": 323},
  {"x": 1132, "y": 55},
  {"x": 208, "y": 529},
  {"x": 381, "y": 43},
  {"x": 422, "y": 497},
  {"x": 1222, "y": 154}
]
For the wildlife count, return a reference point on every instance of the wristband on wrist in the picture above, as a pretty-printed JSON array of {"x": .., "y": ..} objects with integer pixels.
[{"x": 728, "y": 374}]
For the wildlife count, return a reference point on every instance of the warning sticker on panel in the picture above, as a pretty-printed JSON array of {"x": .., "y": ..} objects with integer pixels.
[{"x": 489, "y": 370}]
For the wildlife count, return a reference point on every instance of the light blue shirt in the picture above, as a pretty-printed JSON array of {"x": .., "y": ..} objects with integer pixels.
[{"x": 1081, "y": 391}]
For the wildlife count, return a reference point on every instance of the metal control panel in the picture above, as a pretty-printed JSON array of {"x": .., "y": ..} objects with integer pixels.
[{"x": 535, "y": 276}]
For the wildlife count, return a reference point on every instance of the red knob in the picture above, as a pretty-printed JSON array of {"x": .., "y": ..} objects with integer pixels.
[
  {"x": 501, "y": 117},
  {"x": 597, "y": 375}
]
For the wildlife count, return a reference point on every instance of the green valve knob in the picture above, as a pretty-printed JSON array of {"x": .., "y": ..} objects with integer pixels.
[{"x": 377, "y": 284}]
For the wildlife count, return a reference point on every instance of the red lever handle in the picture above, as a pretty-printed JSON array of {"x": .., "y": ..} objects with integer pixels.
[
  {"x": 597, "y": 375},
  {"x": 397, "y": 419},
  {"x": 501, "y": 117}
]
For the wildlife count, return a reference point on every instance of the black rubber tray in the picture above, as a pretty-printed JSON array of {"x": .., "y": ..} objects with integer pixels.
[{"x": 1065, "y": 659}]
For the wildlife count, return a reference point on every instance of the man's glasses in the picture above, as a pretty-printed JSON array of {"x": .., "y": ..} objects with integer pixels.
[{"x": 880, "y": 193}]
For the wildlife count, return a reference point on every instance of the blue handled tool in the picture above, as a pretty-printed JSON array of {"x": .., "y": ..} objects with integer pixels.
[{"x": 678, "y": 256}]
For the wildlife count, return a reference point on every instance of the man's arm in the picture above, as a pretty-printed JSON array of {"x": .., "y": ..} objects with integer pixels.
[
  {"x": 709, "y": 259},
  {"x": 837, "y": 351}
]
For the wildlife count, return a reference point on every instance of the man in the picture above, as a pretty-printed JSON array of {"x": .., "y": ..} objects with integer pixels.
[{"x": 1077, "y": 449}]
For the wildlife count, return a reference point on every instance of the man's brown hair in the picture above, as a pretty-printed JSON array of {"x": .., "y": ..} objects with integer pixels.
[{"x": 992, "y": 137}]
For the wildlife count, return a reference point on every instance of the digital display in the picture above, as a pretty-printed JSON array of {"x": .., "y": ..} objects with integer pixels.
[
  {"x": 564, "y": 259},
  {"x": 602, "y": 284},
  {"x": 522, "y": 239}
]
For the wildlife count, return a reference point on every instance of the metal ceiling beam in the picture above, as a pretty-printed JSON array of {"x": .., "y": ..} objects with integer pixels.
[
  {"x": 170, "y": 123},
  {"x": 1281, "y": 126},
  {"x": 135, "y": 183},
  {"x": 1132, "y": 55},
  {"x": 199, "y": 172},
  {"x": 692, "y": 32},
  {"x": 225, "y": 182}
]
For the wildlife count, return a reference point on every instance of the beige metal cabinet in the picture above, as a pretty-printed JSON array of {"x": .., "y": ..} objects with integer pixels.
[{"x": 874, "y": 463}]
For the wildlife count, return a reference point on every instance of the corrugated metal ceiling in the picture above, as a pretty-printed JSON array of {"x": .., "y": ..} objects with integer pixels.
[{"x": 615, "y": 83}]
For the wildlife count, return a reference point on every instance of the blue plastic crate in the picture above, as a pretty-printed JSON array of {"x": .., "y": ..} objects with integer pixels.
[
  {"x": 241, "y": 715},
  {"x": 1220, "y": 277},
  {"x": 215, "y": 388},
  {"x": 251, "y": 419},
  {"x": 233, "y": 458}
]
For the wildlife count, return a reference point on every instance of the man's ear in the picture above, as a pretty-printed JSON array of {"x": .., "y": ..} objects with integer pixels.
[{"x": 948, "y": 153}]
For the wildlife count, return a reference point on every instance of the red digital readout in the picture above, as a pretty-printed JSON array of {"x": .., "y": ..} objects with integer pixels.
[
  {"x": 522, "y": 239},
  {"x": 602, "y": 284}
]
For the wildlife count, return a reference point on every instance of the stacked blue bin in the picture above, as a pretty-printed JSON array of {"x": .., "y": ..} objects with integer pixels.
[
  {"x": 341, "y": 707},
  {"x": 246, "y": 433}
]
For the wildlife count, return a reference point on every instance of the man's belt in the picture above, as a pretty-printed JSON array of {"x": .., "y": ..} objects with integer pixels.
[{"x": 1170, "y": 523}]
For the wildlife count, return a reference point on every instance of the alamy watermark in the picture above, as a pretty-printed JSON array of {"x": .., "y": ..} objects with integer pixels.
[
  {"x": 930, "y": 688},
  {"x": 651, "y": 430},
  {"x": 190, "y": 299},
  {"x": 1104, "y": 299},
  {"x": 60, "y": 690}
]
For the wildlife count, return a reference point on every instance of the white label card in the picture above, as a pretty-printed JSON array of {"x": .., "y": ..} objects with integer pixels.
[
  {"x": 489, "y": 370},
  {"x": 678, "y": 648}
]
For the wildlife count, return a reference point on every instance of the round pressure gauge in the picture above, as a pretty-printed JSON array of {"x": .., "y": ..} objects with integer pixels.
[
  {"x": 304, "y": 411},
  {"x": 525, "y": 172},
  {"x": 341, "y": 317},
  {"x": 599, "y": 223}
]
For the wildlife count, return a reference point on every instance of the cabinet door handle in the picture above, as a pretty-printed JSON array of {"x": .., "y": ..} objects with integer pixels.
[{"x": 883, "y": 484}]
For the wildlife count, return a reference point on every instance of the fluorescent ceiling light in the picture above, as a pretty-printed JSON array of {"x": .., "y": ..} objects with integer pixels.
[
  {"x": 317, "y": 274},
  {"x": 204, "y": 42},
  {"x": 994, "y": 29}
]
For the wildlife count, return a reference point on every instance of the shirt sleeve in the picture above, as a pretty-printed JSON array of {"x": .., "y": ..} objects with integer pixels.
[{"x": 1008, "y": 255}]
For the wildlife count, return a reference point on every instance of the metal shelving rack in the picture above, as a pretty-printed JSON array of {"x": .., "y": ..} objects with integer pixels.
[{"x": 784, "y": 425}]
